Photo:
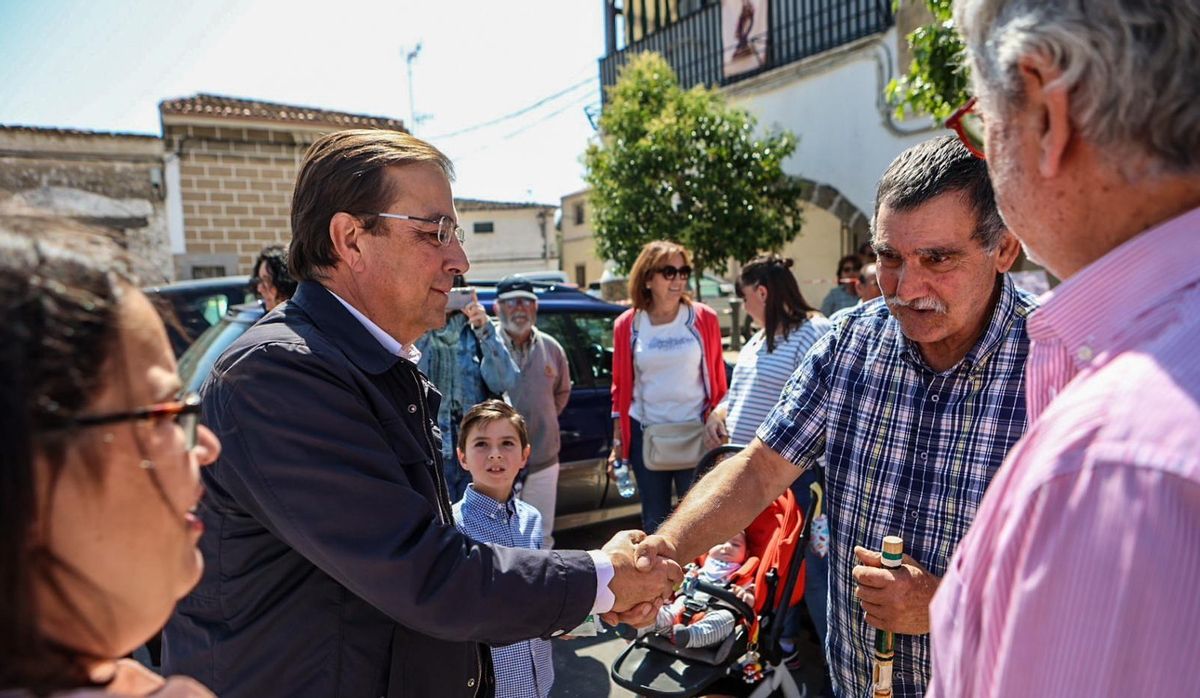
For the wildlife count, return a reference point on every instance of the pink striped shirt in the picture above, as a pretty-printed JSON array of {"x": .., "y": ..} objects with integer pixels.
[{"x": 1081, "y": 573}]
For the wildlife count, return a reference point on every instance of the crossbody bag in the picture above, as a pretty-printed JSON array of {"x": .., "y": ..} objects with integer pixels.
[{"x": 671, "y": 446}]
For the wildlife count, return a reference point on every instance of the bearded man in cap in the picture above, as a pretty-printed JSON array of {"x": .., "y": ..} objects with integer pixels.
[{"x": 540, "y": 394}]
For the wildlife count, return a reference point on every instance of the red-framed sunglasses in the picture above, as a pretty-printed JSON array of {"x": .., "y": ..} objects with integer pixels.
[
  {"x": 969, "y": 126},
  {"x": 185, "y": 411}
]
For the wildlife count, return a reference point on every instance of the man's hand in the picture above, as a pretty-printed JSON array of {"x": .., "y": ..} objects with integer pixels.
[
  {"x": 476, "y": 314},
  {"x": 652, "y": 550},
  {"x": 895, "y": 599},
  {"x": 640, "y": 590},
  {"x": 715, "y": 432}
]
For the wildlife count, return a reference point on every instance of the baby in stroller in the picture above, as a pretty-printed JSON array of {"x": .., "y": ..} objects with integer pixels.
[
  {"x": 678, "y": 661},
  {"x": 688, "y": 621}
]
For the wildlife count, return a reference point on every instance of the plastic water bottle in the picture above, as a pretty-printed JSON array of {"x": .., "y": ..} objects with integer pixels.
[{"x": 624, "y": 479}]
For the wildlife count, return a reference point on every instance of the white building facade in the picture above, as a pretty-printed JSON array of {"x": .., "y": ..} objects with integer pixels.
[{"x": 505, "y": 238}]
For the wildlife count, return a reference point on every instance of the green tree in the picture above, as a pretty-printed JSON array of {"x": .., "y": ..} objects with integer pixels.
[
  {"x": 684, "y": 166},
  {"x": 938, "y": 81}
]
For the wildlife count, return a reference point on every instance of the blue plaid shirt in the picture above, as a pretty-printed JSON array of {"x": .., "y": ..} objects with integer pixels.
[
  {"x": 907, "y": 451},
  {"x": 523, "y": 669}
]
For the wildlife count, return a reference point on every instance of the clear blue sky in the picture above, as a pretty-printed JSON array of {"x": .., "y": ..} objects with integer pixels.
[{"x": 105, "y": 65}]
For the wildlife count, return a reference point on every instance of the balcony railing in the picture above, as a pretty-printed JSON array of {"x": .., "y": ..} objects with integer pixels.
[{"x": 798, "y": 29}]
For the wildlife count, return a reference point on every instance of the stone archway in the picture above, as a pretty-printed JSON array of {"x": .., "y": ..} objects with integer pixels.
[{"x": 855, "y": 224}]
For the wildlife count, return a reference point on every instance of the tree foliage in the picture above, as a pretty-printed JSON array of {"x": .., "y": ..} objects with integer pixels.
[
  {"x": 938, "y": 81},
  {"x": 684, "y": 166}
]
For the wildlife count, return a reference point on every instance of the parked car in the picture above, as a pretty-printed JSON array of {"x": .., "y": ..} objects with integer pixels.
[
  {"x": 583, "y": 325},
  {"x": 199, "y": 304}
]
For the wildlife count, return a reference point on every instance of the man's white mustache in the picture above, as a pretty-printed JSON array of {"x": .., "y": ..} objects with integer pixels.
[{"x": 918, "y": 304}]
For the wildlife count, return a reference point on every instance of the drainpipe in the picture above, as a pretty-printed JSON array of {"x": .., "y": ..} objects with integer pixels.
[
  {"x": 885, "y": 70},
  {"x": 541, "y": 219}
]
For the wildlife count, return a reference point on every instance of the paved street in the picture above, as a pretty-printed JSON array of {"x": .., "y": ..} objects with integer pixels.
[{"x": 581, "y": 666}]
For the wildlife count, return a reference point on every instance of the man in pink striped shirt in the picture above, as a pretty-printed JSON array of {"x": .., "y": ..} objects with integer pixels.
[{"x": 1081, "y": 573}]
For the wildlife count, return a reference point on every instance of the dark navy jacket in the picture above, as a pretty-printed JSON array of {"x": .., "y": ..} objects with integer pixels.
[{"x": 332, "y": 565}]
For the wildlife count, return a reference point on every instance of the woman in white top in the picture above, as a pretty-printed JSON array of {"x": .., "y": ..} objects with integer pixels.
[{"x": 667, "y": 368}]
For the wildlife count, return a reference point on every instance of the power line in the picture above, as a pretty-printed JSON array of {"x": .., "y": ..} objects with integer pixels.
[
  {"x": 585, "y": 100},
  {"x": 520, "y": 112}
]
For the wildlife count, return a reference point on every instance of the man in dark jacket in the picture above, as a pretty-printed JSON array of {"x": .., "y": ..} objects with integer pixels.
[{"x": 333, "y": 565}]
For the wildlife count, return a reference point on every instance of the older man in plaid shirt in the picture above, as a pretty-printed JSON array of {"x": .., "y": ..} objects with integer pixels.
[{"x": 910, "y": 404}]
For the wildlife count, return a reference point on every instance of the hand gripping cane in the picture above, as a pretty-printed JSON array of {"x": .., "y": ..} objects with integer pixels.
[{"x": 885, "y": 641}]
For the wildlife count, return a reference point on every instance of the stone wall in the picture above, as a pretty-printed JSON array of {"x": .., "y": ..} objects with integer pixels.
[
  {"x": 236, "y": 188},
  {"x": 114, "y": 181}
]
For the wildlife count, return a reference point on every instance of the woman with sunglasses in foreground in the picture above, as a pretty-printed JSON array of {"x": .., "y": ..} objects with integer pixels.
[
  {"x": 668, "y": 374},
  {"x": 100, "y": 471}
]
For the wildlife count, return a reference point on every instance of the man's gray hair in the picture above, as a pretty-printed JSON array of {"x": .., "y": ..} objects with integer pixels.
[
  {"x": 1132, "y": 67},
  {"x": 937, "y": 166}
]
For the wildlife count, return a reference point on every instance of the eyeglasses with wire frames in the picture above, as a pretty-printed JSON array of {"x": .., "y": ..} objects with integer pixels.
[
  {"x": 445, "y": 226},
  {"x": 969, "y": 126},
  {"x": 669, "y": 271},
  {"x": 185, "y": 412}
]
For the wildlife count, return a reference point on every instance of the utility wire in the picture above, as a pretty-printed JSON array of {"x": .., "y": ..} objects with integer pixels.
[
  {"x": 587, "y": 98},
  {"x": 520, "y": 112}
]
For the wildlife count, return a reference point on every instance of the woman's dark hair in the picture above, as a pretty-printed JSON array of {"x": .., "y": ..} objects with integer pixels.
[
  {"x": 786, "y": 308},
  {"x": 275, "y": 257},
  {"x": 60, "y": 288},
  {"x": 852, "y": 259}
]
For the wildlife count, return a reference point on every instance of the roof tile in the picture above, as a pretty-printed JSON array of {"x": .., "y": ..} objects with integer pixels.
[{"x": 237, "y": 108}]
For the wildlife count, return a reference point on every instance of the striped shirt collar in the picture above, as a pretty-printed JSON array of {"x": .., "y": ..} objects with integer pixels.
[
  {"x": 1088, "y": 311},
  {"x": 992, "y": 339},
  {"x": 477, "y": 502}
]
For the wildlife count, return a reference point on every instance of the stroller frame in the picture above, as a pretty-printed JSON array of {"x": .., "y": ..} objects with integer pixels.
[{"x": 627, "y": 670}]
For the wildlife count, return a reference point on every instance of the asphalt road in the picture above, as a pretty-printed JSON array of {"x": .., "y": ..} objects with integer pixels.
[{"x": 581, "y": 666}]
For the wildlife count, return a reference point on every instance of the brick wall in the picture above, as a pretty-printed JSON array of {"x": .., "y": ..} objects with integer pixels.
[{"x": 236, "y": 186}]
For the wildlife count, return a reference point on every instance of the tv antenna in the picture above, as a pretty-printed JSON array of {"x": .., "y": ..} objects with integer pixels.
[{"x": 417, "y": 119}]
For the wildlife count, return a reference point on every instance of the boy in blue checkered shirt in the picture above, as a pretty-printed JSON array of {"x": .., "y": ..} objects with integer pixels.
[{"x": 493, "y": 445}]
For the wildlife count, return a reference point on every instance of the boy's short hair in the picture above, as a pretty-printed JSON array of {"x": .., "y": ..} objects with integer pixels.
[{"x": 490, "y": 411}]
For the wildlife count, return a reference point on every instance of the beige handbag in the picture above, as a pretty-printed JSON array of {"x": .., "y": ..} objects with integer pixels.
[
  {"x": 677, "y": 446},
  {"x": 673, "y": 446}
]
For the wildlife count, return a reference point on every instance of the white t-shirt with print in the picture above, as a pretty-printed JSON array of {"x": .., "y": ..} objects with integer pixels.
[{"x": 668, "y": 378}]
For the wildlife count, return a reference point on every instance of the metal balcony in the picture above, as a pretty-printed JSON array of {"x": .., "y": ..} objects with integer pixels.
[{"x": 797, "y": 29}]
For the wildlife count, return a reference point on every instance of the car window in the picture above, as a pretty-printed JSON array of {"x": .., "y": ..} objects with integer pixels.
[
  {"x": 709, "y": 288},
  {"x": 198, "y": 360},
  {"x": 213, "y": 307},
  {"x": 595, "y": 344},
  {"x": 559, "y": 326}
]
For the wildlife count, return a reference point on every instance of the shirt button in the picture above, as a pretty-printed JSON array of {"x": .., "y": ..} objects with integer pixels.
[
  {"x": 924, "y": 455},
  {"x": 470, "y": 683},
  {"x": 935, "y": 398},
  {"x": 412, "y": 409},
  {"x": 912, "y": 513},
  {"x": 1084, "y": 353}
]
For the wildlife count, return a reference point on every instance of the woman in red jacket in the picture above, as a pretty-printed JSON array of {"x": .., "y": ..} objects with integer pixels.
[{"x": 667, "y": 368}]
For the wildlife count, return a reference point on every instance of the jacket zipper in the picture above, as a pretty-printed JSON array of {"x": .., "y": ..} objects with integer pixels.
[
  {"x": 435, "y": 456},
  {"x": 479, "y": 650}
]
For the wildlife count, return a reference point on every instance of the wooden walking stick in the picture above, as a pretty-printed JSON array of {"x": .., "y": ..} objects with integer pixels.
[{"x": 885, "y": 641}]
